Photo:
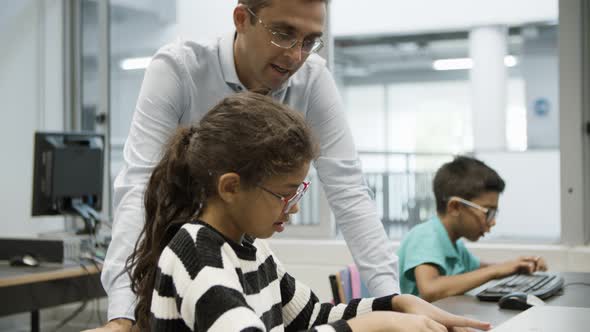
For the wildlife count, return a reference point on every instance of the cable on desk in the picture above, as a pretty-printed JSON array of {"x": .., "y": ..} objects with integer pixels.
[
  {"x": 91, "y": 256},
  {"x": 96, "y": 304},
  {"x": 70, "y": 317},
  {"x": 576, "y": 284},
  {"x": 97, "y": 300},
  {"x": 96, "y": 259},
  {"x": 78, "y": 310}
]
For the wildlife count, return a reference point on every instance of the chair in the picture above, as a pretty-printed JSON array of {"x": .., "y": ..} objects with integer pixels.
[{"x": 346, "y": 285}]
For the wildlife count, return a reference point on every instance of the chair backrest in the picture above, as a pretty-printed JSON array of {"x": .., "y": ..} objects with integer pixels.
[{"x": 346, "y": 285}]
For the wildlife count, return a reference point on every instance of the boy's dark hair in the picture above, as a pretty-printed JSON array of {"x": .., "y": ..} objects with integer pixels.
[
  {"x": 464, "y": 177},
  {"x": 246, "y": 133}
]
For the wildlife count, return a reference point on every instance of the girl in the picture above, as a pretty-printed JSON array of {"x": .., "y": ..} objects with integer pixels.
[{"x": 221, "y": 186}]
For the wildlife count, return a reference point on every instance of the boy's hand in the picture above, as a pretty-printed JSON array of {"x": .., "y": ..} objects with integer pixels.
[
  {"x": 540, "y": 264},
  {"x": 414, "y": 305},
  {"x": 524, "y": 264}
]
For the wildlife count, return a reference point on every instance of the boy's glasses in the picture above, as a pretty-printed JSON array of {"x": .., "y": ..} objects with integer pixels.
[
  {"x": 288, "y": 41},
  {"x": 290, "y": 202},
  {"x": 490, "y": 213}
]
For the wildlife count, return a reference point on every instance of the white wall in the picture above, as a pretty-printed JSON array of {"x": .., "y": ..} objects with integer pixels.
[
  {"x": 399, "y": 17},
  {"x": 129, "y": 39},
  {"x": 137, "y": 28},
  {"x": 199, "y": 22},
  {"x": 530, "y": 205},
  {"x": 31, "y": 94}
]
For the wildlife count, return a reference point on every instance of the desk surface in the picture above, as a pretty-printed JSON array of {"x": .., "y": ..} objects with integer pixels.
[
  {"x": 51, "y": 284},
  {"x": 469, "y": 306},
  {"x": 12, "y": 276}
]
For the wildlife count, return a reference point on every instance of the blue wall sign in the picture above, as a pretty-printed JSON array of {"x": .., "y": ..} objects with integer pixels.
[{"x": 541, "y": 106}]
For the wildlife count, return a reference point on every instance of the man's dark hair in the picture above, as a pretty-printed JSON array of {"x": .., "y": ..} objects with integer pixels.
[
  {"x": 256, "y": 5},
  {"x": 464, "y": 177}
]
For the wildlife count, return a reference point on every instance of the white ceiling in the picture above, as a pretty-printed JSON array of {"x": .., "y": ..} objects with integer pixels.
[{"x": 387, "y": 17}]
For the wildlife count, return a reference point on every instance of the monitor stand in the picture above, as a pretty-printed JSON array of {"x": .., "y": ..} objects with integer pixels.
[{"x": 88, "y": 214}]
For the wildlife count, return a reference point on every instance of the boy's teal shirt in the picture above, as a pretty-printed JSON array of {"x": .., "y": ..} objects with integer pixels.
[{"x": 429, "y": 243}]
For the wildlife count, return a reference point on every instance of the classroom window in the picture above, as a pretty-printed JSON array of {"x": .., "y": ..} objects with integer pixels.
[
  {"x": 406, "y": 116},
  {"x": 409, "y": 114}
]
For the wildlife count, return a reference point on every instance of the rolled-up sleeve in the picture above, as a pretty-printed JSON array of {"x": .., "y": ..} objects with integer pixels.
[
  {"x": 158, "y": 111},
  {"x": 340, "y": 172}
]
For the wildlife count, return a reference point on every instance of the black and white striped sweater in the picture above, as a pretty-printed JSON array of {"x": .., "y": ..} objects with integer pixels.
[{"x": 206, "y": 282}]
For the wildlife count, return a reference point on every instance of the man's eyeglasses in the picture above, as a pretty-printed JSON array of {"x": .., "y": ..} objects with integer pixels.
[
  {"x": 490, "y": 213},
  {"x": 289, "y": 202},
  {"x": 288, "y": 41}
]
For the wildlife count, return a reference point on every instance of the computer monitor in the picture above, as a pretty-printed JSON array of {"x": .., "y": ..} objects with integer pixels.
[{"x": 68, "y": 175}]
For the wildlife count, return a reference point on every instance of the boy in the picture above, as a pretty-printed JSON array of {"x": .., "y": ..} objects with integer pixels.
[{"x": 434, "y": 262}]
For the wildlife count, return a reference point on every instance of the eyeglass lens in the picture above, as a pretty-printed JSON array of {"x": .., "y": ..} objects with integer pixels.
[
  {"x": 491, "y": 214},
  {"x": 296, "y": 198}
]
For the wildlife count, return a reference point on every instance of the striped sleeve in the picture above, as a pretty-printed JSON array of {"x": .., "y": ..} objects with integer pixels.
[{"x": 303, "y": 311}]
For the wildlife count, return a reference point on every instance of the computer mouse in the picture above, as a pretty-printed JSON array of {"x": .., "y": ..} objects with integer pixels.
[
  {"x": 519, "y": 301},
  {"x": 24, "y": 260}
]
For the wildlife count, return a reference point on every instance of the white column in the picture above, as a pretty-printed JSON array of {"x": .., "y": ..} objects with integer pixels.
[
  {"x": 540, "y": 69},
  {"x": 487, "y": 48}
]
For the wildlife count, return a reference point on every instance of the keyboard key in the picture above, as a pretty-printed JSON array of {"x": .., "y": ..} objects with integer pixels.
[
  {"x": 539, "y": 284},
  {"x": 546, "y": 281}
]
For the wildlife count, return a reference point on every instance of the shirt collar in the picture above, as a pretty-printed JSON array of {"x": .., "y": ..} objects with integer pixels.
[
  {"x": 226, "y": 59},
  {"x": 449, "y": 249},
  {"x": 228, "y": 66}
]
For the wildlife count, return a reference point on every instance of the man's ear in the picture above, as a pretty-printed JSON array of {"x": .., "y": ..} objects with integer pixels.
[
  {"x": 241, "y": 18},
  {"x": 228, "y": 186},
  {"x": 453, "y": 208}
]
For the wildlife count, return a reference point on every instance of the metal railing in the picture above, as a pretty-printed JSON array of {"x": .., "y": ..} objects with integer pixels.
[{"x": 403, "y": 197}]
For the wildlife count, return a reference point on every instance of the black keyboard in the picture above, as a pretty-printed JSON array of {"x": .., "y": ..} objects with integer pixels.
[{"x": 540, "y": 284}]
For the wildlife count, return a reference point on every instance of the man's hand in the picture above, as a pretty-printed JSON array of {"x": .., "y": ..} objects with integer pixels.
[
  {"x": 524, "y": 264},
  {"x": 116, "y": 325},
  {"x": 414, "y": 305}
]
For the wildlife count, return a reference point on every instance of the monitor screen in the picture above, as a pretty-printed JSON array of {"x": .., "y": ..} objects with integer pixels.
[{"x": 68, "y": 173}]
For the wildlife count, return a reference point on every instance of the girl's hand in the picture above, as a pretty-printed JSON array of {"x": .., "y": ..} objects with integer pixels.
[
  {"x": 391, "y": 321},
  {"x": 415, "y": 305}
]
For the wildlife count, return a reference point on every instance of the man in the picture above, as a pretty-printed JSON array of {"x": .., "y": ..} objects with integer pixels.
[{"x": 273, "y": 50}]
